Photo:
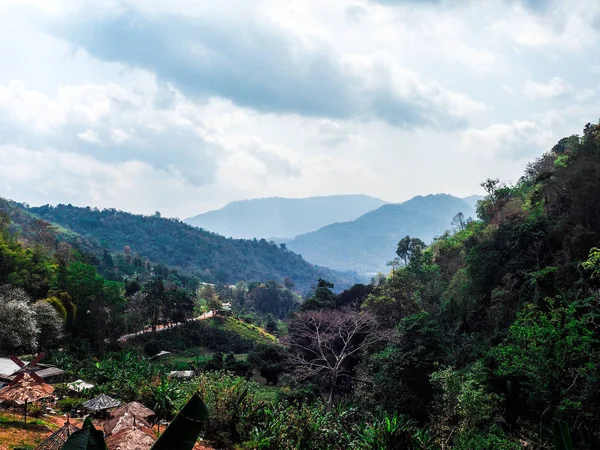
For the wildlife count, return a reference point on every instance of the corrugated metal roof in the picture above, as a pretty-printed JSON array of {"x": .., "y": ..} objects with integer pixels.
[
  {"x": 49, "y": 372},
  {"x": 182, "y": 373},
  {"x": 8, "y": 367}
]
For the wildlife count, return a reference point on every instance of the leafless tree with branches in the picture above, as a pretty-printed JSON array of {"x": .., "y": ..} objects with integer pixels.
[{"x": 322, "y": 343}]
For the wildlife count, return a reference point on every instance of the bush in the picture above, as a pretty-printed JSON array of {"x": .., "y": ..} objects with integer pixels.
[
  {"x": 34, "y": 410},
  {"x": 494, "y": 440},
  {"x": 234, "y": 408},
  {"x": 68, "y": 404},
  {"x": 151, "y": 347}
]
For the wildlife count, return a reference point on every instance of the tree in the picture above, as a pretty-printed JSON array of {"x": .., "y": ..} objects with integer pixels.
[
  {"x": 179, "y": 305},
  {"x": 407, "y": 247},
  {"x": 324, "y": 343},
  {"x": 155, "y": 296},
  {"x": 271, "y": 325},
  {"x": 289, "y": 283},
  {"x": 19, "y": 330},
  {"x": 397, "y": 378},
  {"x": 50, "y": 323},
  {"x": 459, "y": 222},
  {"x": 323, "y": 298}
]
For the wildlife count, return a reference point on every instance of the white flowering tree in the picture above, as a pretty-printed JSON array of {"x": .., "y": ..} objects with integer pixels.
[{"x": 19, "y": 330}]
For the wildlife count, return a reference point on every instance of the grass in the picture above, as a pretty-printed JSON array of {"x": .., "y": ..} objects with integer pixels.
[
  {"x": 246, "y": 330},
  {"x": 195, "y": 354},
  {"x": 15, "y": 433},
  {"x": 192, "y": 355}
]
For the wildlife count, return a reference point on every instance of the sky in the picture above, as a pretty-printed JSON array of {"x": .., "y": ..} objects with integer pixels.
[{"x": 181, "y": 106}]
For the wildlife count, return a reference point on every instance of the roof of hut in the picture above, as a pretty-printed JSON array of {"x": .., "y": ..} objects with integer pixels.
[
  {"x": 123, "y": 422},
  {"x": 131, "y": 439},
  {"x": 57, "y": 439},
  {"x": 101, "y": 402},
  {"x": 27, "y": 389},
  {"x": 134, "y": 408}
]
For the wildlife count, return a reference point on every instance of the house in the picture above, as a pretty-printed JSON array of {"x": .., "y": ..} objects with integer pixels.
[
  {"x": 225, "y": 309},
  {"x": 48, "y": 372},
  {"x": 182, "y": 374}
]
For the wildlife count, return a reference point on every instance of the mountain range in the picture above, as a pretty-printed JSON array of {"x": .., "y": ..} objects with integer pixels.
[
  {"x": 283, "y": 218},
  {"x": 368, "y": 242}
]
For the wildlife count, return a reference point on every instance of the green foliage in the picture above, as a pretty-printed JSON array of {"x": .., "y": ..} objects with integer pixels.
[
  {"x": 232, "y": 404},
  {"x": 69, "y": 404},
  {"x": 463, "y": 401},
  {"x": 495, "y": 439},
  {"x": 562, "y": 436},
  {"x": 399, "y": 375},
  {"x": 549, "y": 351},
  {"x": 392, "y": 432},
  {"x": 210, "y": 257}
]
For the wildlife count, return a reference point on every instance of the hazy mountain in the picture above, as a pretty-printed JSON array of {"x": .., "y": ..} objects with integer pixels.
[
  {"x": 473, "y": 199},
  {"x": 367, "y": 243},
  {"x": 283, "y": 217},
  {"x": 209, "y": 256}
]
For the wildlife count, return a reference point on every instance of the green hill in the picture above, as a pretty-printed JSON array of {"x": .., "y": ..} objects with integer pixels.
[{"x": 209, "y": 256}]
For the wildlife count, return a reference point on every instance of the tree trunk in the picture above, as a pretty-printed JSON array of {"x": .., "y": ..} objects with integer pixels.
[{"x": 332, "y": 393}]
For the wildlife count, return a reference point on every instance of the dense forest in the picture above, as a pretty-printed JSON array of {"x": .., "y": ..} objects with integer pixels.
[
  {"x": 170, "y": 242},
  {"x": 486, "y": 339}
]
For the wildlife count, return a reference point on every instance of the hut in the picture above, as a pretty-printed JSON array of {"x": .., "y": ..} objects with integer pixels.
[
  {"x": 57, "y": 439},
  {"x": 131, "y": 439},
  {"x": 102, "y": 403},
  {"x": 135, "y": 409},
  {"x": 25, "y": 389},
  {"x": 124, "y": 422}
]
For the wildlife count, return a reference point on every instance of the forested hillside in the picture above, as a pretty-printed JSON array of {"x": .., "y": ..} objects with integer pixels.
[
  {"x": 366, "y": 244},
  {"x": 283, "y": 217},
  {"x": 170, "y": 242}
]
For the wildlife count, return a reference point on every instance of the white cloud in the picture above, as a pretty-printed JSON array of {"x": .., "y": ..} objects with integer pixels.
[
  {"x": 282, "y": 98},
  {"x": 555, "y": 87},
  {"x": 89, "y": 136},
  {"x": 517, "y": 140}
]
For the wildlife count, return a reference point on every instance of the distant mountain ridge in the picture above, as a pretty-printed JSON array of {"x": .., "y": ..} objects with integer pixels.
[
  {"x": 285, "y": 218},
  {"x": 366, "y": 244}
]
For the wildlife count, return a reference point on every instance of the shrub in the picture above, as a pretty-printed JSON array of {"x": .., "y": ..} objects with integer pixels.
[
  {"x": 34, "y": 410},
  {"x": 151, "y": 347},
  {"x": 234, "y": 408},
  {"x": 70, "y": 403},
  {"x": 494, "y": 440}
]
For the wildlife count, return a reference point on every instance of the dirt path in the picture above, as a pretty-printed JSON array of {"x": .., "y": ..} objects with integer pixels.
[{"x": 125, "y": 337}]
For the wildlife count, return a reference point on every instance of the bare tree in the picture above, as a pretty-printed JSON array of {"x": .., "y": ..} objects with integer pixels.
[{"x": 322, "y": 343}]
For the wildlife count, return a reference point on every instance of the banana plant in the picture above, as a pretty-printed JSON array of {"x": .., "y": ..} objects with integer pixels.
[{"x": 562, "y": 436}]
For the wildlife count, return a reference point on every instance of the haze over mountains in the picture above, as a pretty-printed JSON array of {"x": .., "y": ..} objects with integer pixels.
[
  {"x": 366, "y": 244},
  {"x": 276, "y": 217},
  {"x": 344, "y": 232}
]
